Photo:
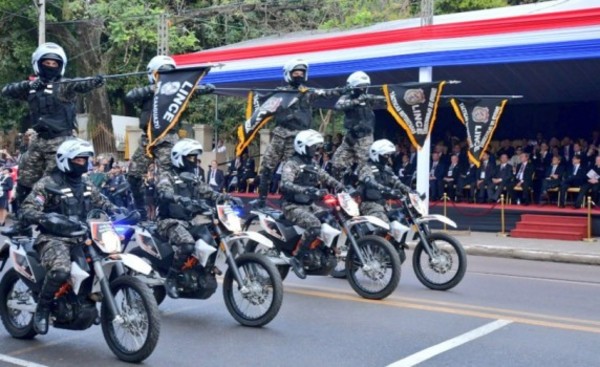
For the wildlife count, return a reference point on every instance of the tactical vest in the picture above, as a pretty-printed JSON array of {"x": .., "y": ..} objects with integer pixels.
[
  {"x": 305, "y": 178},
  {"x": 359, "y": 121},
  {"x": 71, "y": 203},
  {"x": 382, "y": 175},
  {"x": 170, "y": 209},
  {"x": 298, "y": 116},
  {"x": 51, "y": 117}
]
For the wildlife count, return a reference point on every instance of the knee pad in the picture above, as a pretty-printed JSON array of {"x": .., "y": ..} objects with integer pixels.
[
  {"x": 185, "y": 249},
  {"x": 311, "y": 233},
  {"x": 58, "y": 276}
]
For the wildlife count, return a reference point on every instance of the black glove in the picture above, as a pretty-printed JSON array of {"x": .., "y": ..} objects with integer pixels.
[
  {"x": 183, "y": 200},
  {"x": 37, "y": 84},
  {"x": 396, "y": 194},
  {"x": 351, "y": 191},
  {"x": 59, "y": 225},
  {"x": 362, "y": 98},
  {"x": 98, "y": 81},
  {"x": 206, "y": 89},
  {"x": 315, "y": 193}
]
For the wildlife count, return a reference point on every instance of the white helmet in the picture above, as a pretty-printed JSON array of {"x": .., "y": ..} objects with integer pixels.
[
  {"x": 379, "y": 148},
  {"x": 307, "y": 139},
  {"x": 160, "y": 62},
  {"x": 295, "y": 64},
  {"x": 358, "y": 79},
  {"x": 48, "y": 50},
  {"x": 71, "y": 149},
  {"x": 183, "y": 148}
]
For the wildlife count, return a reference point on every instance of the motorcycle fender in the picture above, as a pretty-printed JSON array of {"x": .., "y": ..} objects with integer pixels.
[
  {"x": 370, "y": 219},
  {"x": 21, "y": 263},
  {"x": 436, "y": 217},
  {"x": 136, "y": 264},
  {"x": 78, "y": 275},
  {"x": 328, "y": 234},
  {"x": 254, "y": 236},
  {"x": 398, "y": 230},
  {"x": 203, "y": 251}
]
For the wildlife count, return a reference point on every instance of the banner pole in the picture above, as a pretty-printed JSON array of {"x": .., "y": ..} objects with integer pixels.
[
  {"x": 502, "y": 222},
  {"x": 589, "y": 221}
]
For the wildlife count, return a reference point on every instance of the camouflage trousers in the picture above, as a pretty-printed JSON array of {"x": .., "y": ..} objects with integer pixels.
[
  {"x": 302, "y": 215},
  {"x": 177, "y": 233},
  {"x": 40, "y": 159},
  {"x": 280, "y": 149},
  {"x": 161, "y": 156},
  {"x": 55, "y": 252},
  {"x": 349, "y": 152},
  {"x": 374, "y": 209}
]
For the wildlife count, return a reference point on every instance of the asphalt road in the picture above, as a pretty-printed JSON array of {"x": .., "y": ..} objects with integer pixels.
[{"x": 504, "y": 313}]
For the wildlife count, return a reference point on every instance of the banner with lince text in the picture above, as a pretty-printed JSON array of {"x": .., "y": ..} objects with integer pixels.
[{"x": 480, "y": 117}]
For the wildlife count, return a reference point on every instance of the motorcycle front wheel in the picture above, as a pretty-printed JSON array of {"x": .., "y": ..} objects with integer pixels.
[
  {"x": 253, "y": 247},
  {"x": 18, "y": 323},
  {"x": 446, "y": 268},
  {"x": 133, "y": 334},
  {"x": 257, "y": 300},
  {"x": 379, "y": 276}
]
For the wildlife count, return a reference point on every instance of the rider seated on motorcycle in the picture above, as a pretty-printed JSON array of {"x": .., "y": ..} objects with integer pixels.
[
  {"x": 41, "y": 206},
  {"x": 299, "y": 180},
  {"x": 178, "y": 202},
  {"x": 378, "y": 181}
]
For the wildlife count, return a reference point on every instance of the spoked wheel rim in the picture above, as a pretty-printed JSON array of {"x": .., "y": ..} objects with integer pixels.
[
  {"x": 133, "y": 327},
  {"x": 376, "y": 274},
  {"x": 447, "y": 265},
  {"x": 19, "y": 293},
  {"x": 254, "y": 298}
]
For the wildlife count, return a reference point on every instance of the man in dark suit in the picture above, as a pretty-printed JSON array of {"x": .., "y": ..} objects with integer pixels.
[
  {"x": 502, "y": 179},
  {"x": 406, "y": 170},
  {"x": 592, "y": 183},
  {"x": 326, "y": 162},
  {"x": 523, "y": 180},
  {"x": 575, "y": 177},
  {"x": 247, "y": 171},
  {"x": 436, "y": 175},
  {"x": 451, "y": 177},
  {"x": 215, "y": 177},
  {"x": 553, "y": 176},
  {"x": 467, "y": 177},
  {"x": 542, "y": 159},
  {"x": 484, "y": 174}
]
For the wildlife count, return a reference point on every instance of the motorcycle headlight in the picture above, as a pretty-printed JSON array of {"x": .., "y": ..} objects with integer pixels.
[{"x": 417, "y": 203}]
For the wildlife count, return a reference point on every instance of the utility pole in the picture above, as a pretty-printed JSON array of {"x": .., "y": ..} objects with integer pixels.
[
  {"x": 425, "y": 75},
  {"x": 41, "y": 21},
  {"x": 163, "y": 34}
]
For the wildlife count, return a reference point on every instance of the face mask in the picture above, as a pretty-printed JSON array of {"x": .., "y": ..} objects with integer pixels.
[
  {"x": 49, "y": 74},
  {"x": 77, "y": 170},
  {"x": 190, "y": 163},
  {"x": 297, "y": 81}
]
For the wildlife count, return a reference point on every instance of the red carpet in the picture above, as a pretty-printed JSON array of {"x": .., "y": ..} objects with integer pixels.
[{"x": 551, "y": 227}]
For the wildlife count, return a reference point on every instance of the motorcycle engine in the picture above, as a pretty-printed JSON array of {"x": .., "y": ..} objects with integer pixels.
[
  {"x": 197, "y": 283},
  {"x": 73, "y": 313},
  {"x": 320, "y": 261}
]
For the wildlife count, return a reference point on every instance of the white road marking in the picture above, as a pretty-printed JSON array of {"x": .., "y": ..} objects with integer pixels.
[
  {"x": 19, "y": 362},
  {"x": 430, "y": 352}
]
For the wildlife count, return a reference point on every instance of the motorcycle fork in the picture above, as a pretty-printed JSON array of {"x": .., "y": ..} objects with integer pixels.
[
  {"x": 430, "y": 248},
  {"x": 353, "y": 241},
  {"x": 104, "y": 283}
]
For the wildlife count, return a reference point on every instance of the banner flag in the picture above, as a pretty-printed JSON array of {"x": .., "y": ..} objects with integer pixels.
[
  {"x": 414, "y": 108},
  {"x": 174, "y": 88},
  {"x": 480, "y": 117},
  {"x": 258, "y": 115}
]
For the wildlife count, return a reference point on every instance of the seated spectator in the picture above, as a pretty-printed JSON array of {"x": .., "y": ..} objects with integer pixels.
[
  {"x": 466, "y": 178},
  {"x": 246, "y": 172},
  {"x": 406, "y": 170},
  {"x": 553, "y": 176},
  {"x": 501, "y": 181},
  {"x": 436, "y": 174},
  {"x": 592, "y": 184},
  {"x": 575, "y": 177},
  {"x": 451, "y": 177},
  {"x": 523, "y": 180},
  {"x": 516, "y": 158},
  {"x": 484, "y": 174},
  {"x": 215, "y": 177},
  {"x": 505, "y": 148}
]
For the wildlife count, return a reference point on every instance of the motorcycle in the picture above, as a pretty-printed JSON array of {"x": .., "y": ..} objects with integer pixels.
[
  {"x": 439, "y": 260},
  {"x": 371, "y": 263},
  {"x": 252, "y": 287},
  {"x": 128, "y": 315}
]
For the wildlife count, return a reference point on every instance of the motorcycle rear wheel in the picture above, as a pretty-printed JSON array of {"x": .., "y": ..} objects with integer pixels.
[
  {"x": 140, "y": 320},
  {"x": 19, "y": 324},
  {"x": 264, "y": 289},
  {"x": 384, "y": 274},
  {"x": 447, "y": 269}
]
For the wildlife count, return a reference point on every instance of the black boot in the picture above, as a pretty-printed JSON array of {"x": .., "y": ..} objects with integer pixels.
[
  {"x": 41, "y": 319},
  {"x": 171, "y": 283},
  {"x": 139, "y": 200},
  {"x": 263, "y": 189},
  {"x": 297, "y": 262},
  {"x": 297, "y": 267}
]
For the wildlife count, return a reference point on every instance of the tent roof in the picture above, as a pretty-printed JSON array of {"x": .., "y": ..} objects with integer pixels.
[{"x": 546, "y": 51}]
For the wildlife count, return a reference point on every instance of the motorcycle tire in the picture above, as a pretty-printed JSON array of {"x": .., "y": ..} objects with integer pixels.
[
  {"x": 127, "y": 289},
  {"x": 432, "y": 275},
  {"x": 261, "y": 278},
  {"x": 252, "y": 247},
  {"x": 159, "y": 291},
  {"x": 16, "y": 329},
  {"x": 383, "y": 258}
]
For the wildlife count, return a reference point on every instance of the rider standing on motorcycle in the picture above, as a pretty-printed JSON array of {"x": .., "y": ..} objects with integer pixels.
[
  {"x": 299, "y": 180},
  {"x": 177, "y": 204},
  {"x": 359, "y": 122},
  {"x": 79, "y": 197},
  {"x": 140, "y": 161},
  {"x": 378, "y": 181},
  {"x": 290, "y": 120},
  {"x": 52, "y": 111}
]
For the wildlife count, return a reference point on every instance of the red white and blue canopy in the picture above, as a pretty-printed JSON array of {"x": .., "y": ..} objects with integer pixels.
[{"x": 548, "y": 51}]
